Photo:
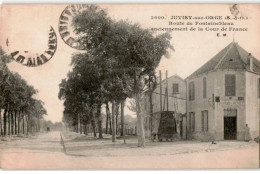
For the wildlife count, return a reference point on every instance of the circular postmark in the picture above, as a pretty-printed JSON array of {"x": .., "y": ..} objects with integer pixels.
[
  {"x": 33, "y": 59},
  {"x": 66, "y": 30}
]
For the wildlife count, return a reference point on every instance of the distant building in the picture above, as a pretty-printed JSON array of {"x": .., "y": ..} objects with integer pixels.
[
  {"x": 224, "y": 96},
  {"x": 177, "y": 104}
]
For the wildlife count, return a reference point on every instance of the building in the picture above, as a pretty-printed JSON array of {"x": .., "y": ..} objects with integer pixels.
[
  {"x": 176, "y": 104},
  {"x": 223, "y": 96}
]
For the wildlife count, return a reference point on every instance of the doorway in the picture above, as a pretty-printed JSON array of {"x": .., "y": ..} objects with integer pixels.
[
  {"x": 181, "y": 127},
  {"x": 230, "y": 128}
]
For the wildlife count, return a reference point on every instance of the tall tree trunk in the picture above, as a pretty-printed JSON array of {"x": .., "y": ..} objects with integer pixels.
[
  {"x": 15, "y": 125},
  {"x": 110, "y": 120},
  {"x": 23, "y": 123},
  {"x": 113, "y": 122},
  {"x": 123, "y": 120},
  {"x": 5, "y": 120},
  {"x": 12, "y": 122},
  {"x": 81, "y": 128},
  {"x": 117, "y": 108},
  {"x": 110, "y": 124},
  {"x": 1, "y": 130},
  {"x": 106, "y": 123},
  {"x": 39, "y": 125},
  {"x": 140, "y": 124},
  {"x": 93, "y": 123},
  {"x": 18, "y": 122},
  {"x": 27, "y": 124},
  {"x": 99, "y": 120},
  {"x": 85, "y": 129},
  {"x": 9, "y": 122},
  {"x": 78, "y": 122},
  {"x": 107, "y": 119},
  {"x": 93, "y": 127}
]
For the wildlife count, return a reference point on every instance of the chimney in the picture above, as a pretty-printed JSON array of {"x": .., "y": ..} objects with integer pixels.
[{"x": 250, "y": 61}]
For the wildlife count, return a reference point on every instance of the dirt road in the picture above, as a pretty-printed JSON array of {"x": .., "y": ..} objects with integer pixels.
[{"x": 46, "y": 152}]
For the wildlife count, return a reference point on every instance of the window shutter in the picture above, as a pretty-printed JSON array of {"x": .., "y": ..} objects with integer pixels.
[
  {"x": 202, "y": 121},
  {"x": 204, "y": 87},
  {"x": 193, "y": 125},
  {"x": 175, "y": 88},
  {"x": 230, "y": 85},
  {"x": 191, "y": 91}
]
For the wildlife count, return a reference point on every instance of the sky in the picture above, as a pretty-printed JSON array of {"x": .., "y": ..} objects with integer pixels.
[{"x": 27, "y": 26}]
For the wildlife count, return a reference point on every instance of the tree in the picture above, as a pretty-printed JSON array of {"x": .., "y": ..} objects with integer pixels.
[
  {"x": 16, "y": 98},
  {"x": 4, "y": 74},
  {"x": 131, "y": 54},
  {"x": 82, "y": 91}
]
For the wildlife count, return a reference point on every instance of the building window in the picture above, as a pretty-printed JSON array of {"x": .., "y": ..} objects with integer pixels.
[
  {"x": 191, "y": 91},
  {"x": 192, "y": 121},
  {"x": 230, "y": 85},
  {"x": 204, "y": 121},
  {"x": 204, "y": 87},
  {"x": 175, "y": 88}
]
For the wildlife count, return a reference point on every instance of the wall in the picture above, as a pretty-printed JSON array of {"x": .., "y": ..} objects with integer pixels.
[
  {"x": 227, "y": 102},
  {"x": 180, "y": 102},
  {"x": 182, "y": 94},
  {"x": 200, "y": 104},
  {"x": 252, "y": 103},
  {"x": 216, "y": 86}
]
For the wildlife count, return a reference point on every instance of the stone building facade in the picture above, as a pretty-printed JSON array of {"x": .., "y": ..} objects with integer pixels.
[
  {"x": 223, "y": 96},
  {"x": 218, "y": 100},
  {"x": 176, "y": 104}
]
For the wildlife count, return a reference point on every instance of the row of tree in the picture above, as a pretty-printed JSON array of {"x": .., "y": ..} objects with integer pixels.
[
  {"x": 119, "y": 62},
  {"x": 22, "y": 113}
]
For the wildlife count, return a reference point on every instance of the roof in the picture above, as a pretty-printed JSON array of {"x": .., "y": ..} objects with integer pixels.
[
  {"x": 164, "y": 80},
  {"x": 232, "y": 57},
  {"x": 173, "y": 76}
]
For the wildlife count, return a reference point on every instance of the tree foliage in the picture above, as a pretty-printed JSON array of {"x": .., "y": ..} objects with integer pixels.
[
  {"x": 17, "y": 100},
  {"x": 119, "y": 62}
]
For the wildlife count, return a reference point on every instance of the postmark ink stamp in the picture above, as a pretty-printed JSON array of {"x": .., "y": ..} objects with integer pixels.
[
  {"x": 66, "y": 29},
  {"x": 31, "y": 59}
]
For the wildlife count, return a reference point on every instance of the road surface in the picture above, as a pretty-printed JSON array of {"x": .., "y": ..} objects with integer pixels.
[{"x": 46, "y": 152}]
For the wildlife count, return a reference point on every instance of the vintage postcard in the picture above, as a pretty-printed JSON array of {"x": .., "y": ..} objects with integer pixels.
[{"x": 129, "y": 86}]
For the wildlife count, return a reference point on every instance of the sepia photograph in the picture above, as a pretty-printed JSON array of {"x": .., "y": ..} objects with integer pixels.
[{"x": 129, "y": 86}]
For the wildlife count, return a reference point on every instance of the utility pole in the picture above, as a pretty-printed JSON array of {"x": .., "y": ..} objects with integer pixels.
[
  {"x": 160, "y": 90},
  {"x": 151, "y": 108},
  {"x": 167, "y": 97}
]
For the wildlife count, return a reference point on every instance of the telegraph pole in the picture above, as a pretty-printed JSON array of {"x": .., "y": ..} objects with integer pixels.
[
  {"x": 167, "y": 97},
  {"x": 160, "y": 90}
]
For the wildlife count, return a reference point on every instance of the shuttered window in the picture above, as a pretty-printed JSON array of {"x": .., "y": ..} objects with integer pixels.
[
  {"x": 204, "y": 87},
  {"x": 192, "y": 121},
  {"x": 204, "y": 121},
  {"x": 230, "y": 85},
  {"x": 191, "y": 91},
  {"x": 175, "y": 88}
]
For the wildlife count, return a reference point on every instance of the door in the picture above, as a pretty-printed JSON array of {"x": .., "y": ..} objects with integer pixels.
[
  {"x": 181, "y": 127},
  {"x": 230, "y": 128}
]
